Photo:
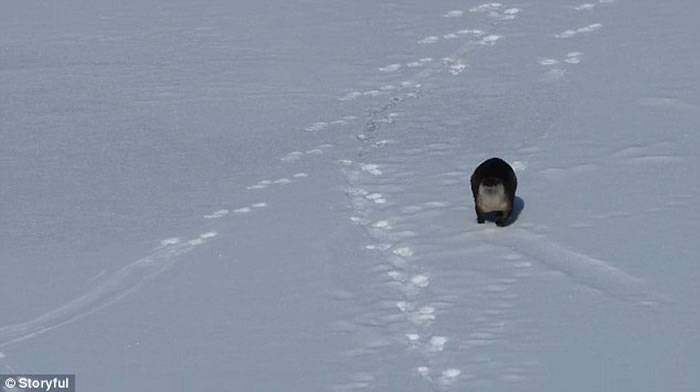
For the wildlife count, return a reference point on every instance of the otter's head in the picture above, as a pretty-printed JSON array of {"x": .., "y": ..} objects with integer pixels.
[{"x": 492, "y": 195}]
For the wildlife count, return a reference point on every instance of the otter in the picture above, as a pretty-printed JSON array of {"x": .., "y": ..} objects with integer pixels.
[{"x": 493, "y": 187}]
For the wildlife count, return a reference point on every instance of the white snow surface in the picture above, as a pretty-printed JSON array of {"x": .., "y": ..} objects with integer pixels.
[{"x": 273, "y": 196}]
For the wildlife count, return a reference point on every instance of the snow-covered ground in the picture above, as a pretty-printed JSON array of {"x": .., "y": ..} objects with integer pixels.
[{"x": 272, "y": 196}]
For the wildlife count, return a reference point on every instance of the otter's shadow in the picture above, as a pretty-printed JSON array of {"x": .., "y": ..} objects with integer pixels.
[{"x": 518, "y": 206}]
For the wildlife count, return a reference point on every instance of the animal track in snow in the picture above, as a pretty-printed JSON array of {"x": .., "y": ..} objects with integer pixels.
[
  {"x": 404, "y": 306},
  {"x": 382, "y": 224},
  {"x": 380, "y": 247},
  {"x": 403, "y": 252},
  {"x": 431, "y": 39},
  {"x": 292, "y": 156},
  {"x": 320, "y": 125},
  {"x": 412, "y": 337},
  {"x": 571, "y": 58},
  {"x": 420, "y": 280},
  {"x": 367, "y": 93},
  {"x": 396, "y": 275},
  {"x": 437, "y": 343},
  {"x": 584, "y": 7},
  {"x": 424, "y": 371},
  {"x": 486, "y": 7},
  {"x": 170, "y": 241},
  {"x": 449, "y": 36},
  {"x": 453, "y": 14},
  {"x": 472, "y": 32},
  {"x": 547, "y": 62},
  {"x": 454, "y": 66},
  {"x": 382, "y": 90},
  {"x": 419, "y": 63},
  {"x": 371, "y": 168},
  {"x": 390, "y": 68},
  {"x": 449, "y": 376},
  {"x": 358, "y": 221},
  {"x": 377, "y": 198},
  {"x": 107, "y": 290},
  {"x": 580, "y": 30},
  {"x": 493, "y": 10},
  {"x": 245, "y": 210},
  {"x": 490, "y": 40},
  {"x": 298, "y": 155},
  {"x": 317, "y": 126},
  {"x": 217, "y": 214},
  {"x": 280, "y": 181},
  {"x": 590, "y": 6},
  {"x": 586, "y": 270}
]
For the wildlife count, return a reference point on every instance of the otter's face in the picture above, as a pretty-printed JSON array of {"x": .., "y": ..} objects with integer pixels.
[{"x": 492, "y": 197}]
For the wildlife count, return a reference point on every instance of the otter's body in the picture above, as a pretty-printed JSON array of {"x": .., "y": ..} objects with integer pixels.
[{"x": 493, "y": 187}]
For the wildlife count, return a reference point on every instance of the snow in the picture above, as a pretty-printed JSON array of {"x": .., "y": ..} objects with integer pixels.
[{"x": 274, "y": 195}]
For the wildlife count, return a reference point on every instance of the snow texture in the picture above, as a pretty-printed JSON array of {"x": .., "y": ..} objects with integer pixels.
[{"x": 267, "y": 196}]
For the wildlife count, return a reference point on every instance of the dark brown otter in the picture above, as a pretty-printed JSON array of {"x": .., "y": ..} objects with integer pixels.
[{"x": 493, "y": 186}]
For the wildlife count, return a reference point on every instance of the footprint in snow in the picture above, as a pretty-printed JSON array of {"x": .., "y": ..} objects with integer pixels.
[
  {"x": 382, "y": 224},
  {"x": 377, "y": 198},
  {"x": 571, "y": 58},
  {"x": 371, "y": 168},
  {"x": 584, "y": 7},
  {"x": 403, "y": 251},
  {"x": 453, "y": 14},
  {"x": 170, "y": 241},
  {"x": 390, "y": 68},
  {"x": 496, "y": 11},
  {"x": 419, "y": 63},
  {"x": 217, "y": 214},
  {"x": 486, "y": 7},
  {"x": 420, "y": 280},
  {"x": 437, "y": 343},
  {"x": 449, "y": 376},
  {"x": 297, "y": 155},
  {"x": 431, "y": 39},
  {"x": 280, "y": 181},
  {"x": 586, "y": 29},
  {"x": 379, "y": 247},
  {"x": 317, "y": 126},
  {"x": 490, "y": 40},
  {"x": 380, "y": 91}
]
